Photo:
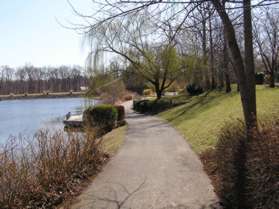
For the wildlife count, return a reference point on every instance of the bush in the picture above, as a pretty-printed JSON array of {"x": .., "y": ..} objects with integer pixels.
[
  {"x": 276, "y": 75},
  {"x": 113, "y": 91},
  {"x": 120, "y": 112},
  {"x": 140, "y": 105},
  {"x": 256, "y": 160},
  {"x": 229, "y": 165},
  {"x": 194, "y": 89},
  {"x": 49, "y": 169},
  {"x": 148, "y": 92},
  {"x": 128, "y": 97},
  {"x": 152, "y": 106},
  {"x": 259, "y": 78},
  {"x": 263, "y": 168},
  {"x": 102, "y": 117}
]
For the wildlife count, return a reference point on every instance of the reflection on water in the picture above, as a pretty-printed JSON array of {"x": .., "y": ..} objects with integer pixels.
[{"x": 27, "y": 116}]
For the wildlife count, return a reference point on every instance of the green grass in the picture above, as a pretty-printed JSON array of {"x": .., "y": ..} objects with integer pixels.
[
  {"x": 201, "y": 118},
  {"x": 113, "y": 140}
]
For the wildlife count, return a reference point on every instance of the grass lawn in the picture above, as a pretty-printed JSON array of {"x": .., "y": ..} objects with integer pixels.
[
  {"x": 201, "y": 117},
  {"x": 113, "y": 140}
]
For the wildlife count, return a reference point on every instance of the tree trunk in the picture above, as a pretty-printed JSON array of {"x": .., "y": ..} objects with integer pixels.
[
  {"x": 272, "y": 79},
  {"x": 159, "y": 94},
  {"x": 250, "y": 90},
  {"x": 221, "y": 82},
  {"x": 204, "y": 51},
  {"x": 228, "y": 83},
  {"x": 226, "y": 67},
  {"x": 158, "y": 91},
  {"x": 213, "y": 82}
]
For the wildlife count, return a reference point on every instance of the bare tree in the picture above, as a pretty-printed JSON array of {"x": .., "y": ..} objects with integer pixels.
[
  {"x": 7, "y": 74},
  {"x": 30, "y": 79},
  {"x": 266, "y": 30},
  {"x": 165, "y": 11}
]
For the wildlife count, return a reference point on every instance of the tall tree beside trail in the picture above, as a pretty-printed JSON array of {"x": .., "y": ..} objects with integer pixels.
[
  {"x": 245, "y": 72},
  {"x": 211, "y": 50},
  {"x": 226, "y": 69},
  {"x": 244, "y": 67},
  {"x": 203, "y": 12}
]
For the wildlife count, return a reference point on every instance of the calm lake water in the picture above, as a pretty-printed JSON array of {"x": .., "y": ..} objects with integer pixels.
[{"x": 26, "y": 117}]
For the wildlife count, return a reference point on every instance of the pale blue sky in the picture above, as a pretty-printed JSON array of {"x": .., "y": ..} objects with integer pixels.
[{"x": 29, "y": 33}]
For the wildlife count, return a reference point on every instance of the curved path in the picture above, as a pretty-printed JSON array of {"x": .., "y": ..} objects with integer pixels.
[{"x": 155, "y": 169}]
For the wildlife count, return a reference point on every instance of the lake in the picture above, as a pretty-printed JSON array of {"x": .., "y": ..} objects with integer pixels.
[{"x": 26, "y": 117}]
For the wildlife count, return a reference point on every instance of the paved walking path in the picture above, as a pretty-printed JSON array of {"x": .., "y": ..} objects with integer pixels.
[{"x": 155, "y": 169}]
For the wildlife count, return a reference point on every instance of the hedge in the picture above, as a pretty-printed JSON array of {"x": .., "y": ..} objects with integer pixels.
[
  {"x": 194, "y": 89},
  {"x": 120, "y": 112},
  {"x": 103, "y": 117},
  {"x": 259, "y": 78},
  {"x": 152, "y": 106}
]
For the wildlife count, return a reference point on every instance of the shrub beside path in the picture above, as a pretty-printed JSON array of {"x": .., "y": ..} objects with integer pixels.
[{"x": 154, "y": 169}]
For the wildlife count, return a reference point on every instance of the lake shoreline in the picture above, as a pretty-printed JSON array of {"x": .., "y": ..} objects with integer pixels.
[
  {"x": 26, "y": 116},
  {"x": 42, "y": 96}
]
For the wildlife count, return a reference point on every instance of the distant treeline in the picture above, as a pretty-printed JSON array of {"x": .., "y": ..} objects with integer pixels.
[{"x": 30, "y": 79}]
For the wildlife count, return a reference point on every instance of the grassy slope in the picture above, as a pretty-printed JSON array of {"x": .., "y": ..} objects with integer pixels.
[
  {"x": 114, "y": 139},
  {"x": 202, "y": 117}
]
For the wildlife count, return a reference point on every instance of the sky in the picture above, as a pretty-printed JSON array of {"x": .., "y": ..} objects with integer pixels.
[{"x": 30, "y": 33}]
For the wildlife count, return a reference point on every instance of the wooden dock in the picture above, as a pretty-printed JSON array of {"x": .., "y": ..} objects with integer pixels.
[{"x": 74, "y": 121}]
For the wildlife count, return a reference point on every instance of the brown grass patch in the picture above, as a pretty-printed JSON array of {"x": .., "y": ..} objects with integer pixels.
[
  {"x": 42, "y": 173},
  {"x": 260, "y": 188}
]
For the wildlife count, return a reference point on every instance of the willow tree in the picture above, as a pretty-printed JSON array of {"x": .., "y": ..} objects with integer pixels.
[{"x": 138, "y": 41}]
